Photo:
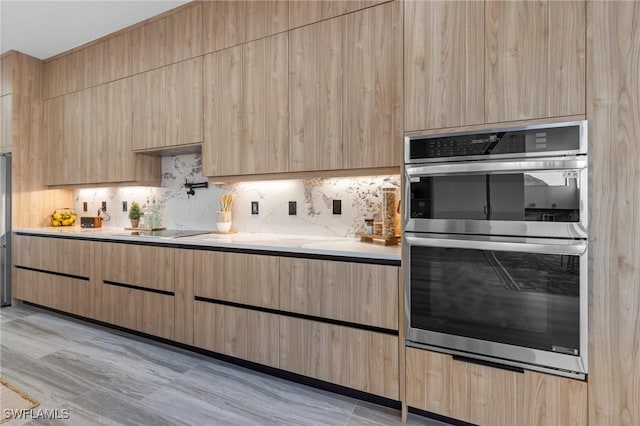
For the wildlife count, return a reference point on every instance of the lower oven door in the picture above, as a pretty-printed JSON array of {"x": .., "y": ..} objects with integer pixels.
[{"x": 522, "y": 301}]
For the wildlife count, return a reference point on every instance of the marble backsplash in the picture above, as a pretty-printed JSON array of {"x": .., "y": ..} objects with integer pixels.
[{"x": 361, "y": 198}]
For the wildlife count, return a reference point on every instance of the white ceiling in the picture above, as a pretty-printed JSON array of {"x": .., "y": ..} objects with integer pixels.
[{"x": 46, "y": 28}]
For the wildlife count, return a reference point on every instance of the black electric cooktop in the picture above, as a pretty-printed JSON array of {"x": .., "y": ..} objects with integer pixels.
[{"x": 169, "y": 233}]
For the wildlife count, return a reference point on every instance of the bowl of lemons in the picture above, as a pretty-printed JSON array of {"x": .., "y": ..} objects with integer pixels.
[{"x": 63, "y": 217}]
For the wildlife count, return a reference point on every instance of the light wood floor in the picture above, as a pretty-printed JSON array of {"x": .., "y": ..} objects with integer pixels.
[{"x": 107, "y": 377}]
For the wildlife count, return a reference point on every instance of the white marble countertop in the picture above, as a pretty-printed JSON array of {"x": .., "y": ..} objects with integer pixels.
[{"x": 285, "y": 243}]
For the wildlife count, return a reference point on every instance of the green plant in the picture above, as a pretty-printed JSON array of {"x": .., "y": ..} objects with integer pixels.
[{"x": 134, "y": 211}]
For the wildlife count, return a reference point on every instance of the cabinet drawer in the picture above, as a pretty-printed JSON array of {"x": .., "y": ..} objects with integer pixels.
[
  {"x": 241, "y": 333},
  {"x": 362, "y": 360},
  {"x": 236, "y": 277},
  {"x": 352, "y": 292},
  {"x": 137, "y": 265},
  {"x": 64, "y": 256},
  {"x": 54, "y": 291},
  {"x": 138, "y": 310}
]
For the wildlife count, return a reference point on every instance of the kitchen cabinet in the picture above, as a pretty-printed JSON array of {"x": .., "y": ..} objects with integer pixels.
[
  {"x": 221, "y": 150},
  {"x": 359, "y": 359},
  {"x": 372, "y": 88},
  {"x": 6, "y": 73},
  {"x": 227, "y": 24},
  {"x": 168, "y": 40},
  {"x": 247, "y": 118},
  {"x": 64, "y": 75},
  {"x": 108, "y": 60},
  {"x": 307, "y": 12},
  {"x": 482, "y": 394},
  {"x": 237, "y": 277},
  {"x": 315, "y": 96},
  {"x": 470, "y": 63},
  {"x": 444, "y": 64},
  {"x": 89, "y": 135},
  {"x": 6, "y": 123},
  {"x": 167, "y": 106},
  {"x": 242, "y": 333},
  {"x": 351, "y": 292},
  {"x": 137, "y": 265},
  {"x": 534, "y": 59},
  {"x": 52, "y": 272}
]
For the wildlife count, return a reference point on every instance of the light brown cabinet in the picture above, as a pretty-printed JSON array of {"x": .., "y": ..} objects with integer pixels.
[
  {"x": 444, "y": 64},
  {"x": 247, "y": 130},
  {"x": 6, "y": 123},
  {"x": 64, "y": 75},
  {"x": 482, "y": 394},
  {"x": 6, "y": 73},
  {"x": 351, "y": 292},
  {"x": 315, "y": 96},
  {"x": 471, "y": 63},
  {"x": 359, "y": 359},
  {"x": 305, "y": 12},
  {"x": 168, "y": 40},
  {"x": 237, "y": 277},
  {"x": 89, "y": 135},
  {"x": 108, "y": 60},
  {"x": 241, "y": 333},
  {"x": 52, "y": 272},
  {"x": 372, "y": 88},
  {"x": 167, "y": 106},
  {"x": 140, "y": 266},
  {"x": 227, "y": 24}
]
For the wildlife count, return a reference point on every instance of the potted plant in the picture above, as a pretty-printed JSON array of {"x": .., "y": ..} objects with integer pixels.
[{"x": 134, "y": 214}]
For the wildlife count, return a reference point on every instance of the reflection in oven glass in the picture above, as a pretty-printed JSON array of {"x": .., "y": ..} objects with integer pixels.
[{"x": 523, "y": 299}]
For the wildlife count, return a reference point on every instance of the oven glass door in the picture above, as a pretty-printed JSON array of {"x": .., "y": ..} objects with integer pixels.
[
  {"x": 468, "y": 199},
  {"x": 510, "y": 292}
]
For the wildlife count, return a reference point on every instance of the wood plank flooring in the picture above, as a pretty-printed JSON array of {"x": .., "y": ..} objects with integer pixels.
[{"x": 108, "y": 377}]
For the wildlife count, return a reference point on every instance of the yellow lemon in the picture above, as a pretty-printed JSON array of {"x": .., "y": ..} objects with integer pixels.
[{"x": 57, "y": 216}]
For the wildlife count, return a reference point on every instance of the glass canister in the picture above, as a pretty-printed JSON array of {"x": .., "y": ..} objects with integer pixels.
[{"x": 389, "y": 208}]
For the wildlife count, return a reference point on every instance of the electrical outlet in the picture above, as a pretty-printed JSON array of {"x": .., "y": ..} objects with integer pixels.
[
  {"x": 293, "y": 208},
  {"x": 85, "y": 208},
  {"x": 255, "y": 209},
  {"x": 337, "y": 206},
  {"x": 104, "y": 206},
  {"x": 124, "y": 206}
]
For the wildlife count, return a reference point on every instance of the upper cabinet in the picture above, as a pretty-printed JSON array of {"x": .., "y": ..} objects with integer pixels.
[
  {"x": 6, "y": 74},
  {"x": 230, "y": 23},
  {"x": 246, "y": 110},
  {"x": 89, "y": 138},
  {"x": 372, "y": 90},
  {"x": 485, "y": 62},
  {"x": 6, "y": 117},
  {"x": 167, "y": 106},
  {"x": 534, "y": 59},
  {"x": 305, "y": 12},
  {"x": 108, "y": 60},
  {"x": 315, "y": 96},
  {"x": 444, "y": 60},
  {"x": 168, "y": 40}
]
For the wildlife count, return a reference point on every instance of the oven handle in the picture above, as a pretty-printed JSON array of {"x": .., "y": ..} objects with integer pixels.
[
  {"x": 498, "y": 166},
  {"x": 573, "y": 248}
]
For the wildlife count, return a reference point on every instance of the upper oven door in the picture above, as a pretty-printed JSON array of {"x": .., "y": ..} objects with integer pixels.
[{"x": 536, "y": 198}]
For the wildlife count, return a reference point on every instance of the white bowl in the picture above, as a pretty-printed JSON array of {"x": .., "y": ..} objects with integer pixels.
[{"x": 223, "y": 226}]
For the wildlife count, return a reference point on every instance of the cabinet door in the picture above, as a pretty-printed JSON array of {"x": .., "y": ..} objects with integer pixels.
[
  {"x": 223, "y": 24},
  {"x": 358, "y": 359},
  {"x": 351, "y": 292},
  {"x": 266, "y": 17},
  {"x": 6, "y": 117},
  {"x": 168, "y": 40},
  {"x": 265, "y": 116},
  {"x": 140, "y": 266},
  {"x": 222, "y": 113},
  {"x": 236, "y": 277},
  {"x": 315, "y": 96},
  {"x": 6, "y": 74},
  {"x": 108, "y": 60},
  {"x": 73, "y": 143},
  {"x": 444, "y": 64},
  {"x": 117, "y": 153},
  {"x": 167, "y": 107},
  {"x": 54, "y": 125},
  {"x": 534, "y": 59},
  {"x": 237, "y": 332},
  {"x": 304, "y": 12},
  {"x": 372, "y": 84},
  {"x": 548, "y": 400}
]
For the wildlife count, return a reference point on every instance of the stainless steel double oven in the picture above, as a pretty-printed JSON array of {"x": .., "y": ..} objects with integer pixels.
[{"x": 495, "y": 245}]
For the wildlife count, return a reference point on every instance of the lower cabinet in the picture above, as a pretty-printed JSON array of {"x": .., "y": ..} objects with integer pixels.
[
  {"x": 139, "y": 310},
  {"x": 52, "y": 290},
  {"x": 487, "y": 395},
  {"x": 351, "y": 357},
  {"x": 241, "y": 333}
]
